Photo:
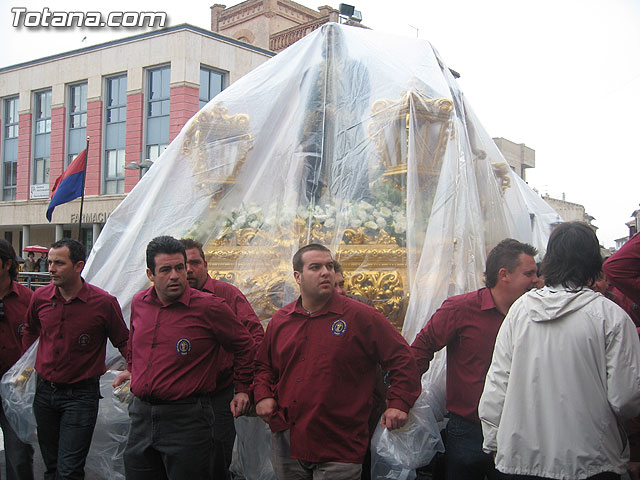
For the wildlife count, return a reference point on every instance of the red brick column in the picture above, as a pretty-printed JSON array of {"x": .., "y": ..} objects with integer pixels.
[
  {"x": 93, "y": 183},
  {"x": 133, "y": 148},
  {"x": 184, "y": 105},
  {"x": 24, "y": 156},
  {"x": 56, "y": 155}
]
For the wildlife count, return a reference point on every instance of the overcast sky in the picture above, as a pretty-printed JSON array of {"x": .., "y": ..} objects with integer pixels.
[{"x": 561, "y": 76}]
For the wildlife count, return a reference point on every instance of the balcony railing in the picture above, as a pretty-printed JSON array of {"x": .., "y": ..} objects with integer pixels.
[{"x": 281, "y": 40}]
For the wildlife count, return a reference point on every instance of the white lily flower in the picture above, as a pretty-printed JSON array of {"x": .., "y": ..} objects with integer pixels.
[
  {"x": 371, "y": 225},
  {"x": 385, "y": 212}
]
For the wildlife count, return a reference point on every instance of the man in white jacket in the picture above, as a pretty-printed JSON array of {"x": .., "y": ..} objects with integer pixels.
[{"x": 565, "y": 373}]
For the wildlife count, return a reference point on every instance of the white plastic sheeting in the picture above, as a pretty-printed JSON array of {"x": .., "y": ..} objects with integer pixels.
[
  {"x": 345, "y": 137},
  {"x": 347, "y": 128},
  {"x": 397, "y": 453},
  {"x": 105, "y": 459}
]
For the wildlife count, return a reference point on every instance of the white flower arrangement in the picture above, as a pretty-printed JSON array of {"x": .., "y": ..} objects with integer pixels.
[{"x": 372, "y": 218}]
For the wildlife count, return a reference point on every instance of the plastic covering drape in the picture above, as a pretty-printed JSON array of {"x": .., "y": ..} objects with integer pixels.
[{"x": 358, "y": 140}]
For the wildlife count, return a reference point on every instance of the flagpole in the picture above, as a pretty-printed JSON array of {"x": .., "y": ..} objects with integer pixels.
[{"x": 84, "y": 177}]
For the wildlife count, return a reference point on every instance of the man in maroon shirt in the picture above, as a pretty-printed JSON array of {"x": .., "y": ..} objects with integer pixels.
[
  {"x": 605, "y": 287},
  {"x": 73, "y": 320},
  {"x": 468, "y": 325},
  {"x": 224, "y": 432},
  {"x": 316, "y": 371},
  {"x": 176, "y": 336},
  {"x": 623, "y": 269},
  {"x": 15, "y": 299},
  {"x": 339, "y": 282}
]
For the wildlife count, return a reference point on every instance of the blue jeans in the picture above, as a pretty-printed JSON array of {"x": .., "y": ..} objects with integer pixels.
[
  {"x": 19, "y": 455},
  {"x": 464, "y": 457},
  {"x": 170, "y": 440},
  {"x": 66, "y": 417}
]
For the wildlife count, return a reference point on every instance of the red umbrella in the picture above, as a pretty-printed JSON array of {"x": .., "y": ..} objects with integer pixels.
[{"x": 36, "y": 248}]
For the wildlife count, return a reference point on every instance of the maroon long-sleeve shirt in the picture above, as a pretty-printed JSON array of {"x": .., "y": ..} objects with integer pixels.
[
  {"x": 321, "y": 369},
  {"x": 623, "y": 269},
  {"x": 238, "y": 303},
  {"x": 73, "y": 334},
  {"x": 16, "y": 302},
  {"x": 173, "y": 348},
  {"x": 467, "y": 325}
]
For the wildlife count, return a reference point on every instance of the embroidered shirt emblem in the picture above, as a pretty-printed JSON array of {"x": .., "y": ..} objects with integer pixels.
[
  {"x": 339, "y": 327},
  {"x": 183, "y": 347}
]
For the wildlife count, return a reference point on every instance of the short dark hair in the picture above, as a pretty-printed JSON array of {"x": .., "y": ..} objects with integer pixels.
[
  {"x": 505, "y": 255},
  {"x": 297, "y": 258},
  {"x": 8, "y": 253},
  {"x": 189, "y": 243},
  {"x": 337, "y": 267},
  {"x": 77, "y": 252},
  {"x": 163, "y": 244},
  {"x": 573, "y": 257}
]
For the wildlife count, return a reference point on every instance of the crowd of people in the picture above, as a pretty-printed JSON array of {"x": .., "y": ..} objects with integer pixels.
[
  {"x": 31, "y": 264},
  {"x": 542, "y": 381}
]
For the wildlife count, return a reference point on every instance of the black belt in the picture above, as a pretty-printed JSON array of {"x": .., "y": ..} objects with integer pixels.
[
  {"x": 87, "y": 382},
  {"x": 193, "y": 398}
]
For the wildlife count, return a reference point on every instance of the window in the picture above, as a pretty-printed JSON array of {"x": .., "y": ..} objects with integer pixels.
[
  {"x": 115, "y": 134},
  {"x": 157, "y": 112},
  {"x": 42, "y": 142},
  {"x": 77, "y": 139},
  {"x": 211, "y": 84},
  {"x": 86, "y": 238},
  {"x": 10, "y": 149}
]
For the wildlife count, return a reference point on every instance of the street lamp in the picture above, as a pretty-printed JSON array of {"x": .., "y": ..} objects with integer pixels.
[{"x": 142, "y": 166}]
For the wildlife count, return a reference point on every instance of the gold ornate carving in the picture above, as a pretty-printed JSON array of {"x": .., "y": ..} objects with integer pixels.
[
  {"x": 359, "y": 236},
  {"x": 501, "y": 171},
  {"x": 427, "y": 119},
  {"x": 376, "y": 276},
  {"x": 224, "y": 276},
  {"x": 385, "y": 290},
  {"x": 216, "y": 144}
]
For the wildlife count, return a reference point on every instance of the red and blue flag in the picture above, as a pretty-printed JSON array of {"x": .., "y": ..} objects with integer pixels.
[{"x": 69, "y": 185}]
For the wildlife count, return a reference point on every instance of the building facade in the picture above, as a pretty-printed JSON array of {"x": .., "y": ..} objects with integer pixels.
[
  {"x": 569, "y": 211},
  {"x": 272, "y": 24},
  {"x": 634, "y": 227},
  {"x": 518, "y": 156},
  {"x": 130, "y": 97}
]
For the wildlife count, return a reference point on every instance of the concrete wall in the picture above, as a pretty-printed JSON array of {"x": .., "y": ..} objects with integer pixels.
[{"x": 518, "y": 155}]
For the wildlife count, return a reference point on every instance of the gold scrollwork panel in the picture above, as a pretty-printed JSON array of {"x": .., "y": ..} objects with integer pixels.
[{"x": 385, "y": 290}]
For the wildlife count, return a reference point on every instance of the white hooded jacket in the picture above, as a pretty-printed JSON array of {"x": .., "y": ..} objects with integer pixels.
[{"x": 565, "y": 374}]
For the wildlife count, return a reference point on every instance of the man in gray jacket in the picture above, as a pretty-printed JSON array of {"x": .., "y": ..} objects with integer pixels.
[{"x": 565, "y": 372}]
